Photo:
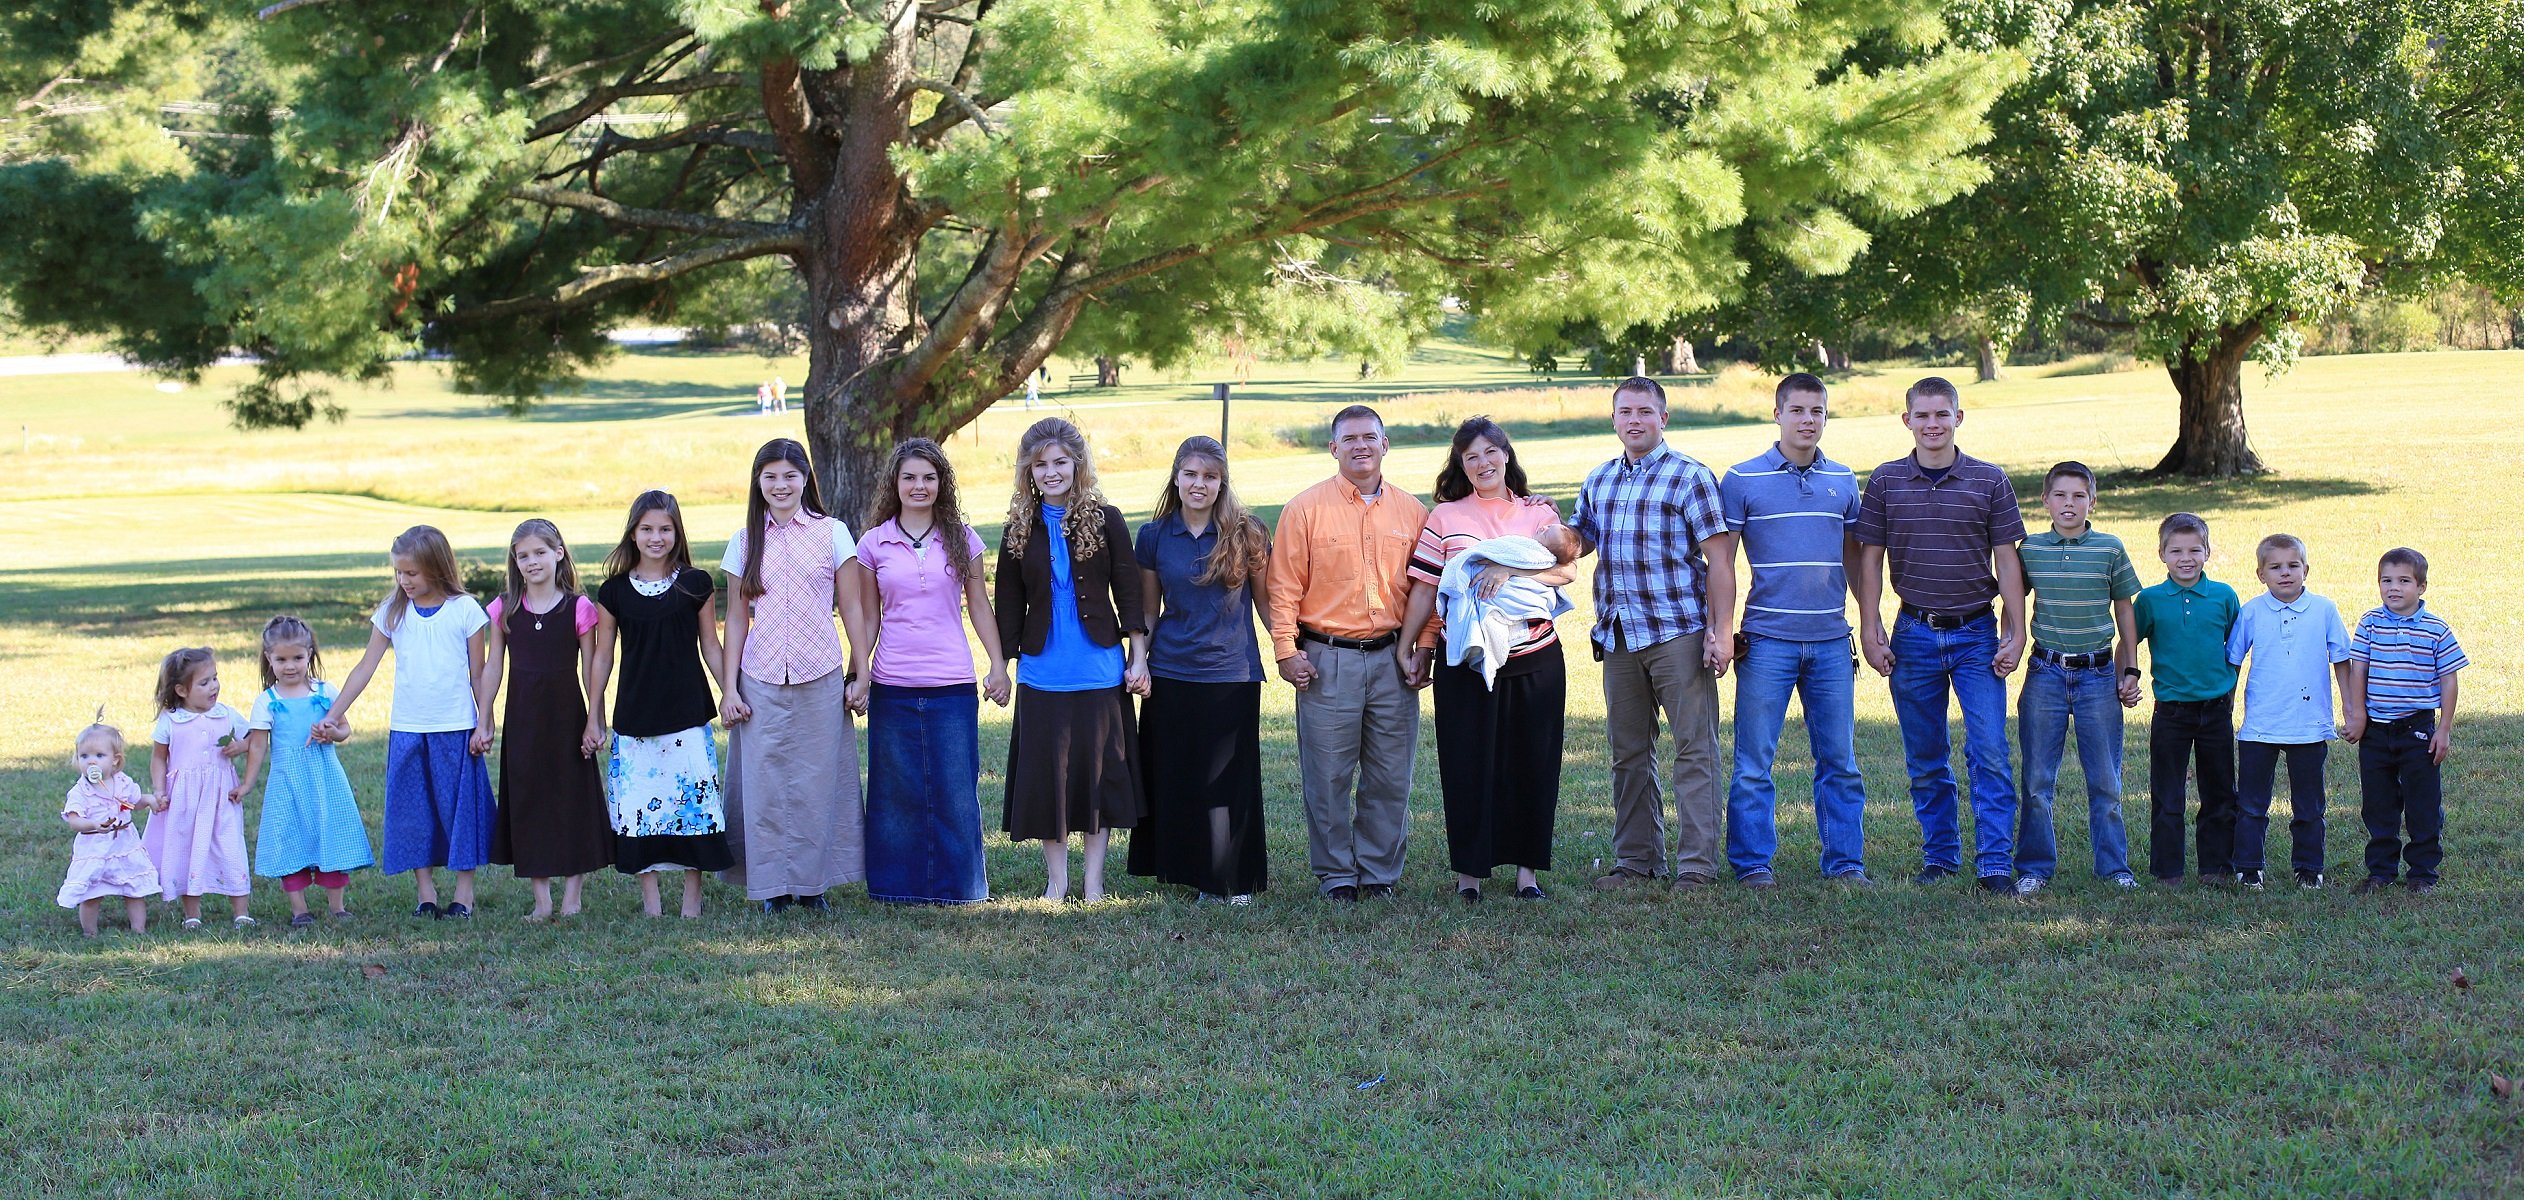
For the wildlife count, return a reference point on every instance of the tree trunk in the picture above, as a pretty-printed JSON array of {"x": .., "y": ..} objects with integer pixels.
[
  {"x": 1822, "y": 356},
  {"x": 2211, "y": 443},
  {"x": 1837, "y": 360},
  {"x": 1993, "y": 364},
  {"x": 1679, "y": 359},
  {"x": 1108, "y": 371}
]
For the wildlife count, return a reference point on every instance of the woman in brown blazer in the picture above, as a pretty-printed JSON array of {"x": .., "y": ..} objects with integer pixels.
[{"x": 1070, "y": 611}]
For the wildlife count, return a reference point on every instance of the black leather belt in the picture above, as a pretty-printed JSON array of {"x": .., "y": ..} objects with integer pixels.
[
  {"x": 2073, "y": 662},
  {"x": 1943, "y": 620},
  {"x": 1341, "y": 643},
  {"x": 2423, "y": 719}
]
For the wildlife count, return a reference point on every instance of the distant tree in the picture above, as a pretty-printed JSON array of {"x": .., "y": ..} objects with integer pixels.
[{"x": 961, "y": 185}]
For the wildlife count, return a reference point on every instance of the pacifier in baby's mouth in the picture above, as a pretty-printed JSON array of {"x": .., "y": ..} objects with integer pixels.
[{"x": 95, "y": 775}]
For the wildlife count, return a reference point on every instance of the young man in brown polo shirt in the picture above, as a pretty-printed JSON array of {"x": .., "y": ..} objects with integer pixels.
[
  {"x": 1949, "y": 525},
  {"x": 1338, "y": 591}
]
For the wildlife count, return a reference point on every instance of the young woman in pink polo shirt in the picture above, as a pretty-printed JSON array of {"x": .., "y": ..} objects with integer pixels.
[
  {"x": 793, "y": 764},
  {"x": 921, "y": 566}
]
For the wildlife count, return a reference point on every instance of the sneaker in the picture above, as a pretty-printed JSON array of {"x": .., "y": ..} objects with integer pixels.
[
  {"x": 2370, "y": 885},
  {"x": 1344, "y": 894},
  {"x": 2125, "y": 881},
  {"x": 1760, "y": 879},
  {"x": 426, "y": 908},
  {"x": 1209, "y": 898},
  {"x": 1998, "y": 885},
  {"x": 1240, "y": 900},
  {"x": 2421, "y": 887},
  {"x": 302, "y": 920},
  {"x": 2249, "y": 881},
  {"x": 459, "y": 912},
  {"x": 2309, "y": 880},
  {"x": 1617, "y": 879},
  {"x": 1854, "y": 879},
  {"x": 192, "y": 922},
  {"x": 1929, "y": 875},
  {"x": 243, "y": 921},
  {"x": 2027, "y": 885}
]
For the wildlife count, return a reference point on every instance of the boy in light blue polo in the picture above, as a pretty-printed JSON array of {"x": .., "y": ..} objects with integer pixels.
[
  {"x": 1792, "y": 509},
  {"x": 2297, "y": 645}
]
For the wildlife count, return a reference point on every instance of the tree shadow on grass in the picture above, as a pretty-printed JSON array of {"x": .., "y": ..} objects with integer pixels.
[{"x": 2133, "y": 496}]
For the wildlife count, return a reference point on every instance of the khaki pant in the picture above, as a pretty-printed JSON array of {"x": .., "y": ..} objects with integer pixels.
[
  {"x": 1358, "y": 729},
  {"x": 1639, "y": 684}
]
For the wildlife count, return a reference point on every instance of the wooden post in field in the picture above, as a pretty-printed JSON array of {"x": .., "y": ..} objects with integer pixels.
[{"x": 1220, "y": 391}]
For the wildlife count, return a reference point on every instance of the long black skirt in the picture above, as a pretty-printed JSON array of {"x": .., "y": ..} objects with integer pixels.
[
  {"x": 1073, "y": 764},
  {"x": 1498, "y": 761},
  {"x": 1200, "y": 745}
]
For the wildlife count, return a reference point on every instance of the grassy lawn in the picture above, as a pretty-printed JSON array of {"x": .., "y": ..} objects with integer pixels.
[{"x": 1808, "y": 1042}]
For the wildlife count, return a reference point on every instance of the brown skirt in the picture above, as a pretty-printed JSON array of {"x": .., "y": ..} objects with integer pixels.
[{"x": 1073, "y": 764}]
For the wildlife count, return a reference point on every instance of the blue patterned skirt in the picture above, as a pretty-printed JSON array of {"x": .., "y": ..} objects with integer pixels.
[{"x": 669, "y": 813}]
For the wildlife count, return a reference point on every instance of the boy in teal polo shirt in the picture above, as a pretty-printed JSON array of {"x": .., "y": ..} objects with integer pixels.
[
  {"x": 2079, "y": 674},
  {"x": 2184, "y": 622}
]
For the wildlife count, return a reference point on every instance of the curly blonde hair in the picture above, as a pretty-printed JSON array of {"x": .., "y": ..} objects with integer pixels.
[{"x": 1084, "y": 525}]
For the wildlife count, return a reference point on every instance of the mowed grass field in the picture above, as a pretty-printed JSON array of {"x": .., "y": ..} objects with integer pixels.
[{"x": 1806, "y": 1042}]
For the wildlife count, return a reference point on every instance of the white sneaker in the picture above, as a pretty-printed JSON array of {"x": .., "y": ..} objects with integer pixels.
[
  {"x": 2027, "y": 885},
  {"x": 2125, "y": 881},
  {"x": 246, "y": 922},
  {"x": 1240, "y": 900}
]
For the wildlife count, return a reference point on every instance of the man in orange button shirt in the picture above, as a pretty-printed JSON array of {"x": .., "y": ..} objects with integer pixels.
[{"x": 1337, "y": 596}]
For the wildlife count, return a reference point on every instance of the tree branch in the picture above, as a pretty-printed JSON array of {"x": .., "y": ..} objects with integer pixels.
[
  {"x": 958, "y": 98},
  {"x": 652, "y": 218},
  {"x": 598, "y": 100},
  {"x": 601, "y": 282},
  {"x": 609, "y": 144},
  {"x": 597, "y": 64},
  {"x": 269, "y": 11}
]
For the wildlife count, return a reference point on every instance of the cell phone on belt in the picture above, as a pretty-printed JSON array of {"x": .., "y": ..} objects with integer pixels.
[{"x": 1743, "y": 646}]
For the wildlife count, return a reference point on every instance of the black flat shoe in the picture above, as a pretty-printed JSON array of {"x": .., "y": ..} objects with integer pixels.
[
  {"x": 458, "y": 912},
  {"x": 426, "y": 909},
  {"x": 1531, "y": 892},
  {"x": 814, "y": 903},
  {"x": 1469, "y": 895},
  {"x": 1344, "y": 894},
  {"x": 776, "y": 904}
]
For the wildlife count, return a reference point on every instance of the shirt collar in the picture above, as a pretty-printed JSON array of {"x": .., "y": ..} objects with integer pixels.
[
  {"x": 2398, "y": 619},
  {"x": 1777, "y": 460},
  {"x": 1651, "y": 458},
  {"x": 2079, "y": 540},
  {"x": 1175, "y": 524},
  {"x": 800, "y": 518},
  {"x": 2296, "y": 605},
  {"x": 2195, "y": 589}
]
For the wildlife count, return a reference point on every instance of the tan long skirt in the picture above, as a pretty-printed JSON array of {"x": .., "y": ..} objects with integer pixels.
[{"x": 794, "y": 818}]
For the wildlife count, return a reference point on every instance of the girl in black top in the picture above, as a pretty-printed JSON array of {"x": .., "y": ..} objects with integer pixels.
[{"x": 663, "y": 781}]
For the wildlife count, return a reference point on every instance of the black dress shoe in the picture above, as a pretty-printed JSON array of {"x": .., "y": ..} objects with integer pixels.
[
  {"x": 776, "y": 904},
  {"x": 1929, "y": 875},
  {"x": 1531, "y": 892},
  {"x": 814, "y": 903},
  {"x": 1344, "y": 894},
  {"x": 1469, "y": 895},
  {"x": 1998, "y": 885},
  {"x": 1376, "y": 891}
]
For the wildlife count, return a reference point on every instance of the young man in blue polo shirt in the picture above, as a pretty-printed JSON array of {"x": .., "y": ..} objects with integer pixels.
[
  {"x": 1792, "y": 508},
  {"x": 1948, "y": 525},
  {"x": 2402, "y": 665}
]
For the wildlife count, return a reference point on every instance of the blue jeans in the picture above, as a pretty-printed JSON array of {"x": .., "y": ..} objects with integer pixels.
[
  {"x": 2052, "y": 699},
  {"x": 1819, "y": 673},
  {"x": 1928, "y": 665}
]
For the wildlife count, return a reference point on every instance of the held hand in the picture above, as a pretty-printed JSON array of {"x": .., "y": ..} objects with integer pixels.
[
  {"x": 593, "y": 738},
  {"x": 330, "y": 729},
  {"x": 1297, "y": 670},
  {"x": 2441, "y": 745},
  {"x": 2353, "y": 730},
  {"x": 1135, "y": 680},
  {"x": 1878, "y": 655},
  {"x": 236, "y": 795},
  {"x": 480, "y": 742},
  {"x": 1491, "y": 579},
  {"x": 995, "y": 686},
  {"x": 234, "y": 749},
  {"x": 2003, "y": 661},
  {"x": 855, "y": 696},
  {"x": 1717, "y": 651},
  {"x": 733, "y": 710},
  {"x": 157, "y": 804},
  {"x": 2129, "y": 692}
]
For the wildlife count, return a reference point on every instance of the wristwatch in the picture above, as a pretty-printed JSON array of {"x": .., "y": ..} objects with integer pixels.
[{"x": 2129, "y": 672}]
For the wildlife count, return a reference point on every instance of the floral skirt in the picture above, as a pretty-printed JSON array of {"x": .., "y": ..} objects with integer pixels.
[{"x": 667, "y": 808}]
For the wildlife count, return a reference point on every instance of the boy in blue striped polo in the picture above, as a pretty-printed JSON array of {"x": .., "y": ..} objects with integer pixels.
[
  {"x": 2297, "y": 644},
  {"x": 2082, "y": 672},
  {"x": 2402, "y": 665}
]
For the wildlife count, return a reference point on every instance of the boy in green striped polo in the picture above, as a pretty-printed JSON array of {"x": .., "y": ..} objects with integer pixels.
[{"x": 2082, "y": 671}]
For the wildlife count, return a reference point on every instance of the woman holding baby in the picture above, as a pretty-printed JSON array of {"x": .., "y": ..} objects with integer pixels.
[{"x": 1487, "y": 644}]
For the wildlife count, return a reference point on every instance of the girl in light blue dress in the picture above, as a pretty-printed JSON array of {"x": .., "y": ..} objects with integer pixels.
[{"x": 311, "y": 832}]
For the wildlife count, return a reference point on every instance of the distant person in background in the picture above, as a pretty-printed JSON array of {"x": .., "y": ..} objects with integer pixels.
[
  {"x": 1337, "y": 593},
  {"x": 1204, "y": 563},
  {"x": 779, "y": 394},
  {"x": 922, "y": 567},
  {"x": 1033, "y": 390},
  {"x": 762, "y": 398},
  {"x": 1069, "y": 610},
  {"x": 1661, "y": 630},
  {"x": 1792, "y": 510},
  {"x": 1948, "y": 525},
  {"x": 1499, "y": 729}
]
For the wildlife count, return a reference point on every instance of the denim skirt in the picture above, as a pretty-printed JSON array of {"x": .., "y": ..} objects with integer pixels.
[{"x": 924, "y": 825}]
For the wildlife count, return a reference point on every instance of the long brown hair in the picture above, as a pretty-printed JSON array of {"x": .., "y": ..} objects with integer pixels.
[
  {"x": 1454, "y": 484},
  {"x": 950, "y": 525},
  {"x": 1084, "y": 525},
  {"x": 564, "y": 575},
  {"x": 436, "y": 561},
  {"x": 287, "y": 630},
  {"x": 812, "y": 500},
  {"x": 626, "y": 553},
  {"x": 176, "y": 670},
  {"x": 1244, "y": 547}
]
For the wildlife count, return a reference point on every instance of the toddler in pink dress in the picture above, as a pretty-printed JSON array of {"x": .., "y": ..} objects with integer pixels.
[
  {"x": 196, "y": 833},
  {"x": 107, "y": 859}
]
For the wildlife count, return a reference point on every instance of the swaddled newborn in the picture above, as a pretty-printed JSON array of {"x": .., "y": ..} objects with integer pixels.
[{"x": 1480, "y": 630}]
